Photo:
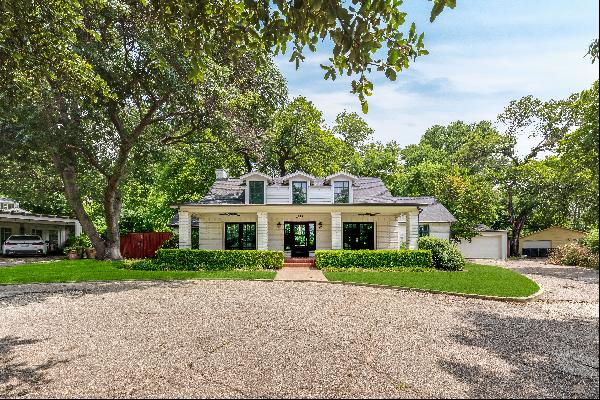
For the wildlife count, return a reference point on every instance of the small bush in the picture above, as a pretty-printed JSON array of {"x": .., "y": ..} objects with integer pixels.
[
  {"x": 194, "y": 260},
  {"x": 574, "y": 254},
  {"x": 591, "y": 241},
  {"x": 372, "y": 259},
  {"x": 445, "y": 255}
]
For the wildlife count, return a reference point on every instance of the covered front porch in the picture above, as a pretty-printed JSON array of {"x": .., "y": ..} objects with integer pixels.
[{"x": 299, "y": 230}]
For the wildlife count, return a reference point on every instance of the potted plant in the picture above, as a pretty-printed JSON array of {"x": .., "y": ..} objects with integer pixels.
[
  {"x": 90, "y": 252},
  {"x": 71, "y": 252}
]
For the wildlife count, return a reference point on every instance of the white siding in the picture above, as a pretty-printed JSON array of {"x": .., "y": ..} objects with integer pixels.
[
  {"x": 436, "y": 229},
  {"x": 386, "y": 229},
  {"x": 212, "y": 229},
  {"x": 323, "y": 234},
  {"x": 278, "y": 195},
  {"x": 319, "y": 195}
]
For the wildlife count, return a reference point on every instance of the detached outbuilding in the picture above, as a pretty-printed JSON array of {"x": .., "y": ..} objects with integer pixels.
[
  {"x": 489, "y": 243},
  {"x": 539, "y": 244}
]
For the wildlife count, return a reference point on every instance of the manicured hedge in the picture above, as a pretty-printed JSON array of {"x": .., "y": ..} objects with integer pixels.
[
  {"x": 373, "y": 259},
  {"x": 445, "y": 255},
  {"x": 195, "y": 260}
]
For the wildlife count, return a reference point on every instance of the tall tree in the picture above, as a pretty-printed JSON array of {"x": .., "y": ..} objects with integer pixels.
[
  {"x": 524, "y": 179},
  {"x": 297, "y": 140},
  {"x": 90, "y": 84}
]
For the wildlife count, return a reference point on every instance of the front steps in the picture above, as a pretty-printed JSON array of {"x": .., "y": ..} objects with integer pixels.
[{"x": 299, "y": 262}]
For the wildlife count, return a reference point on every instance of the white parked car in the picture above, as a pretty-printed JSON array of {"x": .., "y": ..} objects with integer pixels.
[{"x": 24, "y": 245}]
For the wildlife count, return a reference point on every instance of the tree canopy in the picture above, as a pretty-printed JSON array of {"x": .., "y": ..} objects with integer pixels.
[{"x": 90, "y": 88}]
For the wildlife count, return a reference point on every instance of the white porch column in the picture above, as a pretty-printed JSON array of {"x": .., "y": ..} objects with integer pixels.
[
  {"x": 262, "y": 231},
  {"x": 77, "y": 228},
  {"x": 336, "y": 231},
  {"x": 412, "y": 230},
  {"x": 185, "y": 230}
]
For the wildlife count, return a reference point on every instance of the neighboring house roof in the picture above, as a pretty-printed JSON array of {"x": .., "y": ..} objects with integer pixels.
[{"x": 22, "y": 214}]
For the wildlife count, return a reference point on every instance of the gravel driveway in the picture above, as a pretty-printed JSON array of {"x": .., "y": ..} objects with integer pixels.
[{"x": 289, "y": 339}]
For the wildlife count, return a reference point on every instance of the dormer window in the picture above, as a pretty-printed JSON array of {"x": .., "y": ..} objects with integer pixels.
[
  {"x": 299, "y": 192},
  {"x": 256, "y": 192},
  {"x": 341, "y": 192}
]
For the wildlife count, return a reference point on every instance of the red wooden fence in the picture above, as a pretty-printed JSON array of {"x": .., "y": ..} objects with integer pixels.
[{"x": 142, "y": 245}]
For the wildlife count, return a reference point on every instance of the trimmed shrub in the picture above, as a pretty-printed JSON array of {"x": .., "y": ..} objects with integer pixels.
[
  {"x": 574, "y": 254},
  {"x": 445, "y": 255},
  {"x": 194, "y": 260},
  {"x": 373, "y": 259}
]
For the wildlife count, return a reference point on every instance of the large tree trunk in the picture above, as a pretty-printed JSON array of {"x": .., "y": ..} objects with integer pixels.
[
  {"x": 517, "y": 227},
  {"x": 67, "y": 173},
  {"x": 112, "y": 213}
]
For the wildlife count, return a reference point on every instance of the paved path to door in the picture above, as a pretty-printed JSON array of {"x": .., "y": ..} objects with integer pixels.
[{"x": 300, "y": 274}]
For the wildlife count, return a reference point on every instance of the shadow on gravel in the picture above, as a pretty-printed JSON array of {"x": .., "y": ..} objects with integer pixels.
[
  {"x": 22, "y": 295},
  {"x": 546, "y": 358},
  {"x": 577, "y": 274},
  {"x": 16, "y": 377}
]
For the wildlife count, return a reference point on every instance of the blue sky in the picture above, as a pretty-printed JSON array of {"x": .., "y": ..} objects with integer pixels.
[{"x": 482, "y": 55}]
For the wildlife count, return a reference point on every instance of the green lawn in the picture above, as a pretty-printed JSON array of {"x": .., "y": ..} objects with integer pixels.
[
  {"x": 475, "y": 279},
  {"x": 92, "y": 270}
]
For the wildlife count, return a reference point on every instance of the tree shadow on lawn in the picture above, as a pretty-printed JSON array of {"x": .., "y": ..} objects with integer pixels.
[
  {"x": 22, "y": 295},
  {"x": 18, "y": 378},
  {"x": 545, "y": 357}
]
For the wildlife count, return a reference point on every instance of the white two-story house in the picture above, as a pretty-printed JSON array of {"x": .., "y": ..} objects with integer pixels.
[{"x": 300, "y": 213}]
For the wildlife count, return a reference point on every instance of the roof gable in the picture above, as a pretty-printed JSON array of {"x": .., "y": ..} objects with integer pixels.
[
  {"x": 256, "y": 174},
  {"x": 342, "y": 174},
  {"x": 301, "y": 174}
]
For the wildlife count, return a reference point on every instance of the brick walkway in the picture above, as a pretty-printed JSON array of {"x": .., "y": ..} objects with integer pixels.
[{"x": 300, "y": 274}]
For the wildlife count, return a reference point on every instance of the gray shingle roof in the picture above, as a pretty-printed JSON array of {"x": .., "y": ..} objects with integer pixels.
[
  {"x": 436, "y": 212},
  {"x": 366, "y": 190}
]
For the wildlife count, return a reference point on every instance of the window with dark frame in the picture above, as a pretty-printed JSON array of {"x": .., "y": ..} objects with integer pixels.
[
  {"x": 359, "y": 236},
  {"x": 240, "y": 236},
  {"x": 256, "y": 194},
  {"x": 423, "y": 230},
  {"x": 299, "y": 192},
  {"x": 341, "y": 192},
  {"x": 288, "y": 236}
]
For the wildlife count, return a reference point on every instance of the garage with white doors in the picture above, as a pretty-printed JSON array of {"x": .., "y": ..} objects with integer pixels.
[{"x": 489, "y": 243}]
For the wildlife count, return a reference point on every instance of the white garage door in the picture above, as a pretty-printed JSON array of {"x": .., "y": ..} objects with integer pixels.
[
  {"x": 537, "y": 244},
  {"x": 482, "y": 247}
]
